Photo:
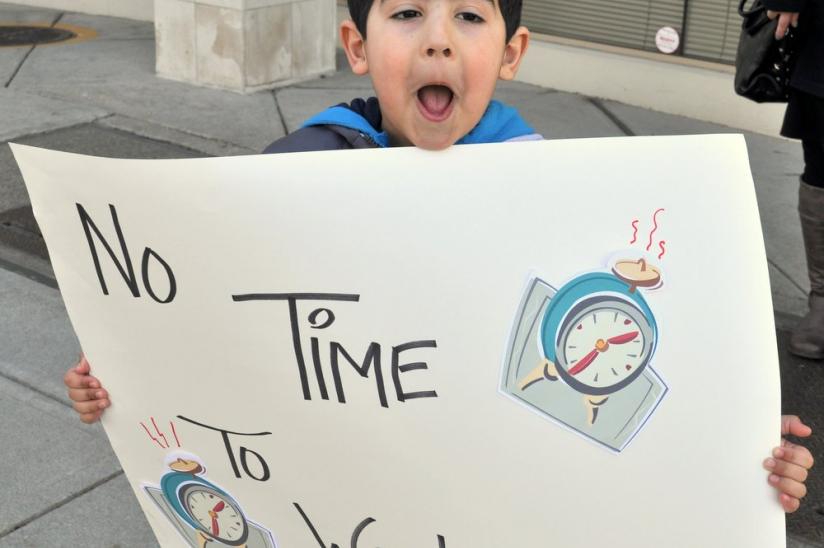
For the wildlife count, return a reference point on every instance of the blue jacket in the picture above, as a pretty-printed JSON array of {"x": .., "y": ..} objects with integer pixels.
[{"x": 358, "y": 124}]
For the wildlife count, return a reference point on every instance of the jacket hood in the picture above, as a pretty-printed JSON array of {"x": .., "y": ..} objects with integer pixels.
[{"x": 499, "y": 123}]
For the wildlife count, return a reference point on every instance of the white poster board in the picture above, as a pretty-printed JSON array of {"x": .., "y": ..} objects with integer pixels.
[{"x": 411, "y": 349}]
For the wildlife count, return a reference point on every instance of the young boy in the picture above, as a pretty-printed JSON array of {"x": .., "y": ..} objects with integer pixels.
[{"x": 434, "y": 65}]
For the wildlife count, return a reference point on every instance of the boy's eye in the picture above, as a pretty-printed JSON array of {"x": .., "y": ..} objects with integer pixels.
[
  {"x": 406, "y": 14},
  {"x": 470, "y": 17}
]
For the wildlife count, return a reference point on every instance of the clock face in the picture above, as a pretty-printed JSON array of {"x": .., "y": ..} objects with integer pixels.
[
  {"x": 215, "y": 513},
  {"x": 603, "y": 344}
]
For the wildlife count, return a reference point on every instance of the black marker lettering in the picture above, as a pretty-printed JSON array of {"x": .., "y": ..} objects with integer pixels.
[
  {"x": 265, "y": 467},
  {"x": 128, "y": 271},
  {"x": 243, "y": 450},
  {"x": 373, "y": 355},
  {"x": 397, "y": 369},
  {"x": 147, "y": 284},
  {"x": 292, "y": 299},
  {"x": 358, "y": 530}
]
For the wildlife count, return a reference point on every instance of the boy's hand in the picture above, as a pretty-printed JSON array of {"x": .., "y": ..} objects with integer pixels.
[
  {"x": 89, "y": 397},
  {"x": 789, "y": 464},
  {"x": 785, "y": 19}
]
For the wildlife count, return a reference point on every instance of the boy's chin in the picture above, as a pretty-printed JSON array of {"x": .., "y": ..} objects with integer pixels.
[{"x": 434, "y": 142}]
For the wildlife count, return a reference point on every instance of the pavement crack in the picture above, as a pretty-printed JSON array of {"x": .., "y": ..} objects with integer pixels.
[
  {"x": 597, "y": 103},
  {"x": 18, "y": 67},
  {"x": 61, "y": 503},
  {"x": 280, "y": 113},
  {"x": 786, "y": 275},
  {"x": 33, "y": 388},
  {"x": 56, "y": 20},
  {"x": 28, "y": 273}
]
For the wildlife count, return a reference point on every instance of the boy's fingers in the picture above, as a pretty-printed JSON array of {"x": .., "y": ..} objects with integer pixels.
[
  {"x": 82, "y": 365},
  {"x": 788, "y": 486},
  {"x": 796, "y": 454},
  {"x": 791, "y": 424},
  {"x": 795, "y": 20},
  {"x": 790, "y": 504},
  {"x": 87, "y": 394},
  {"x": 786, "y": 469},
  {"x": 73, "y": 380},
  {"x": 89, "y": 418},
  {"x": 86, "y": 407}
]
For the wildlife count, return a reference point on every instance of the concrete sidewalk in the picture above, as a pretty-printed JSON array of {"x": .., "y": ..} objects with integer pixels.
[{"x": 62, "y": 486}]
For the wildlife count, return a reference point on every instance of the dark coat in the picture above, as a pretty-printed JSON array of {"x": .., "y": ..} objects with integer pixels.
[{"x": 809, "y": 70}]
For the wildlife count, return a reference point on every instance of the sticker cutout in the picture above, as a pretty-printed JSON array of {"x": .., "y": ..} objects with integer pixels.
[
  {"x": 203, "y": 513},
  {"x": 581, "y": 355}
]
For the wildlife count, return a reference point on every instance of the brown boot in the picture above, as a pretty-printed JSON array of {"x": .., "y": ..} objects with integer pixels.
[{"x": 807, "y": 340}]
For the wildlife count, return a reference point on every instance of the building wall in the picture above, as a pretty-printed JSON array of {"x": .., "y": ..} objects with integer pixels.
[{"x": 684, "y": 87}]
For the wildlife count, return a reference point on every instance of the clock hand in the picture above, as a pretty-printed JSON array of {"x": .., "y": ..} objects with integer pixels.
[
  {"x": 215, "y": 527},
  {"x": 213, "y": 513},
  {"x": 621, "y": 339},
  {"x": 584, "y": 362}
]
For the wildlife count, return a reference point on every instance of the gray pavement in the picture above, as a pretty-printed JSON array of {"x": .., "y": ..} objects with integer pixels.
[{"x": 61, "y": 484}]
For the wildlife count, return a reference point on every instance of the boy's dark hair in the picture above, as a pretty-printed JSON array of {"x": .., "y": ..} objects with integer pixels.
[{"x": 510, "y": 9}]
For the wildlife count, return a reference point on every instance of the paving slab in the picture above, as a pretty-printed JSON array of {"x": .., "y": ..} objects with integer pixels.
[
  {"x": 299, "y": 104},
  {"x": 18, "y": 229},
  {"x": 36, "y": 336},
  {"x": 776, "y": 164},
  {"x": 11, "y": 13},
  {"x": 10, "y": 59},
  {"x": 105, "y": 516},
  {"x": 787, "y": 296},
  {"x": 157, "y": 132},
  {"x": 112, "y": 28},
  {"x": 49, "y": 456},
  {"x": 118, "y": 76},
  {"x": 83, "y": 139},
  {"x": 566, "y": 116},
  {"x": 25, "y": 113}
]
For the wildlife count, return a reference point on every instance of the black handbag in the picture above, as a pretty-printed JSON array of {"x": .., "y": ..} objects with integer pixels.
[{"x": 763, "y": 65}]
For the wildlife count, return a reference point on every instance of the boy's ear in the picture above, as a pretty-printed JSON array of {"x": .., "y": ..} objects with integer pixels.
[
  {"x": 353, "y": 45},
  {"x": 514, "y": 53}
]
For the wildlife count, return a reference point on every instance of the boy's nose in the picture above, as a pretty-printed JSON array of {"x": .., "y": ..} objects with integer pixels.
[{"x": 431, "y": 52}]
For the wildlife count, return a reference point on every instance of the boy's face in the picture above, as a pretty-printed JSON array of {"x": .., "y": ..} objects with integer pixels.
[{"x": 434, "y": 65}]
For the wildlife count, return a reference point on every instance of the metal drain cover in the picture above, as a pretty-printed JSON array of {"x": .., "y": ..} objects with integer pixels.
[{"x": 23, "y": 35}]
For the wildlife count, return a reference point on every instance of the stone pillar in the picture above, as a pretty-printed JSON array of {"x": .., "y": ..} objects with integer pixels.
[{"x": 245, "y": 45}]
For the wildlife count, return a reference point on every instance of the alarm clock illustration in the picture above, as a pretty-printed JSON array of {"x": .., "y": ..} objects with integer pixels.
[
  {"x": 204, "y": 506},
  {"x": 598, "y": 334},
  {"x": 203, "y": 512}
]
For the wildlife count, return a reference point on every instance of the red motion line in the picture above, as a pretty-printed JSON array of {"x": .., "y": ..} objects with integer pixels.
[
  {"x": 621, "y": 339},
  {"x": 154, "y": 439},
  {"x": 634, "y": 231},
  {"x": 655, "y": 227},
  {"x": 174, "y": 432},
  {"x": 159, "y": 433},
  {"x": 584, "y": 363}
]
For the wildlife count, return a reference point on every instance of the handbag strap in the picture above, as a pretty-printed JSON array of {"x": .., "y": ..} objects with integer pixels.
[{"x": 757, "y": 7}]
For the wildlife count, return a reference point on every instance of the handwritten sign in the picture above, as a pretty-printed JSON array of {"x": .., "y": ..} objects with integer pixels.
[{"x": 527, "y": 344}]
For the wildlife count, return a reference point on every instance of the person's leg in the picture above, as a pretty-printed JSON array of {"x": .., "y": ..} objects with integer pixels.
[{"x": 808, "y": 338}]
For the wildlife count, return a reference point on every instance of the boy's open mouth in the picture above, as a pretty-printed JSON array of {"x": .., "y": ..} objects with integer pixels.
[{"x": 435, "y": 102}]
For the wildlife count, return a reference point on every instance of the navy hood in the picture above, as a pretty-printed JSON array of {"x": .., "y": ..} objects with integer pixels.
[{"x": 500, "y": 123}]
